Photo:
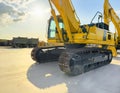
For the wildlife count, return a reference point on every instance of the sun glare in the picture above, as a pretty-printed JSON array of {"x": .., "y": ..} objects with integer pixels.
[{"x": 37, "y": 11}]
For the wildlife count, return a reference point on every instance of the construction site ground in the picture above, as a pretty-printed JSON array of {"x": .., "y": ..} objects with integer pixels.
[{"x": 20, "y": 74}]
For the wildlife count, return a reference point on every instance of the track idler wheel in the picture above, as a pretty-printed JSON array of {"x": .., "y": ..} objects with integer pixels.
[
  {"x": 35, "y": 54},
  {"x": 110, "y": 56},
  {"x": 68, "y": 63}
]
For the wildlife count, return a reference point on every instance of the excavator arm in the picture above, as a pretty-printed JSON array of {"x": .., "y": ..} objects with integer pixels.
[{"x": 110, "y": 15}]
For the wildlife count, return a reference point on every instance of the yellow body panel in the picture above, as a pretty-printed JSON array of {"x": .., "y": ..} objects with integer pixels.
[
  {"x": 75, "y": 33},
  {"x": 53, "y": 42}
]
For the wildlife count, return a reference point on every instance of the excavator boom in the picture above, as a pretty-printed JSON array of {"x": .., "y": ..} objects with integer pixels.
[{"x": 111, "y": 16}]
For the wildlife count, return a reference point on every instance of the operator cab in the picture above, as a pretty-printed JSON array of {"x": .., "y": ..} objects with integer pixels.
[{"x": 52, "y": 29}]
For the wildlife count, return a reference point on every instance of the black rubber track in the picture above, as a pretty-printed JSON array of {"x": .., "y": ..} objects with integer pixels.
[
  {"x": 78, "y": 61},
  {"x": 47, "y": 54}
]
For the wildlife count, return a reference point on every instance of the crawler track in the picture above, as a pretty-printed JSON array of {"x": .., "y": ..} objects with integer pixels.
[
  {"x": 46, "y": 54},
  {"x": 78, "y": 61}
]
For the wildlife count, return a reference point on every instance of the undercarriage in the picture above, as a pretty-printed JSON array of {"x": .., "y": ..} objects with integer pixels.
[
  {"x": 73, "y": 61},
  {"x": 46, "y": 54},
  {"x": 78, "y": 61}
]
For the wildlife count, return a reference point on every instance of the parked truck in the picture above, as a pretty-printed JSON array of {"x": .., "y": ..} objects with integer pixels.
[
  {"x": 24, "y": 42},
  {"x": 19, "y": 42},
  {"x": 33, "y": 42}
]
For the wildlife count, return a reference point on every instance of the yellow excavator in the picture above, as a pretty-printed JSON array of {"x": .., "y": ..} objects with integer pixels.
[{"x": 86, "y": 47}]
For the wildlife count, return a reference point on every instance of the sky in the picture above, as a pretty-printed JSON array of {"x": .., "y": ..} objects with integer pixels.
[{"x": 28, "y": 18}]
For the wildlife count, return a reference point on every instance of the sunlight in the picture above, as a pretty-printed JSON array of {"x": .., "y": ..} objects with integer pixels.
[{"x": 37, "y": 11}]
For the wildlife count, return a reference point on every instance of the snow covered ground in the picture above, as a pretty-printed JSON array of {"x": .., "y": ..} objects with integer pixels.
[{"x": 19, "y": 74}]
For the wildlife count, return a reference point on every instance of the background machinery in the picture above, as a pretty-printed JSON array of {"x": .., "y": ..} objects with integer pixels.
[
  {"x": 19, "y": 42},
  {"x": 32, "y": 42},
  {"x": 87, "y": 46},
  {"x": 24, "y": 42}
]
